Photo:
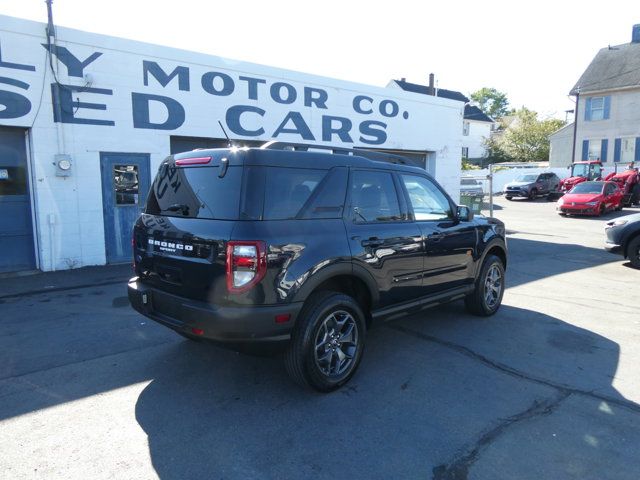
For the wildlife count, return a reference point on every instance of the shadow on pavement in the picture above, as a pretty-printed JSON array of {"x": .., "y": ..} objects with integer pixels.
[
  {"x": 76, "y": 341},
  {"x": 424, "y": 389},
  {"x": 531, "y": 260}
]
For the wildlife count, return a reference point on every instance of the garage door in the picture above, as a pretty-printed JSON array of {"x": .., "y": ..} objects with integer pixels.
[{"x": 17, "y": 251}]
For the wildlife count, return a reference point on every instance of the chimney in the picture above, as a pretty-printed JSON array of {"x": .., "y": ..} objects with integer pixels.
[
  {"x": 403, "y": 79},
  {"x": 431, "y": 90},
  {"x": 635, "y": 33}
]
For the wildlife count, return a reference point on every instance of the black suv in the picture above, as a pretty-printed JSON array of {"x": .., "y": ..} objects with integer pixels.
[{"x": 305, "y": 250}]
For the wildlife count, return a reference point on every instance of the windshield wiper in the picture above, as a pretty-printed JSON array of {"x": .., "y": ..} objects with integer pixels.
[{"x": 179, "y": 207}]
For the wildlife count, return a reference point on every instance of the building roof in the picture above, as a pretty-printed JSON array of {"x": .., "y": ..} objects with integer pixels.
[
  {"x": 612, "y": 67},
  {"x": 471, "y": 112},
  {"x": 567, "y": 128},
  {"x": 424, "y": 89}
]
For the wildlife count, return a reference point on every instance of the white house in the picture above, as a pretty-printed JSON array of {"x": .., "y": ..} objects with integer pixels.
[
  {"x": 607, "y": 124},
  {"x": 82, "y": 114},
  {"x": 476, "y": 127}
]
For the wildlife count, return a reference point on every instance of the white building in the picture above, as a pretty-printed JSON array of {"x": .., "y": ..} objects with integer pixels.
[
  {"x": 115, "y": 108},
  {"x": 607, "y": 125},
  {"x": 476, "y": 127},
  {"x": 560, "y": 147},
  {"x": 476, "y": 130}
]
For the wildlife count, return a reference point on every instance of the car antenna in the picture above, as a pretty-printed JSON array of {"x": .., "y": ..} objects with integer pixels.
[
  {"x": 230, "y": 143},
  {"x": 224, "y": 162}
]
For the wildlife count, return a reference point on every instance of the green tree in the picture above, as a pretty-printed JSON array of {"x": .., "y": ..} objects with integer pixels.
[
  {"x": 526, "y": 138},
  {"x": 492, "y": 102}
]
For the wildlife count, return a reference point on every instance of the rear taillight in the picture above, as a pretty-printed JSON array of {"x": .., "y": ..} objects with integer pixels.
[
  {"x": 246, "y": 265},
  {"x": 193, "y": 161}
]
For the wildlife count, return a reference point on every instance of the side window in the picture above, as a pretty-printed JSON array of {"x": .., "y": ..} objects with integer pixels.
[
  {"x": 327, "y": 200},
  {"x": 374, "y": 197},
  {"x": 428, "y": 202},
  {"x": 287, "y": 191}
]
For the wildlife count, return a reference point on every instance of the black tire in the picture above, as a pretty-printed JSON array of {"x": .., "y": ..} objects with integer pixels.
[
  {"x": 633, "y": 251},
  {"x": 324, "y": 311},
  {"x": 508, "y": 198},
  {"x": 533, "y": 194},
  {"x": 477, "y": 302},
  {"x": 602, "y": 210}
]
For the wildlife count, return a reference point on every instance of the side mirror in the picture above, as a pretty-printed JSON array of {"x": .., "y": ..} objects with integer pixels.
[{"x": 464, "y": 213}]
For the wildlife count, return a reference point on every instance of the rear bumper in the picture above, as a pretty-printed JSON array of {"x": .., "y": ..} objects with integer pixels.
[{"x": 232, "y": 325}]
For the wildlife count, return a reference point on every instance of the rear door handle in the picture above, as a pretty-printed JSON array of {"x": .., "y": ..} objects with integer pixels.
[
  {"x": 435, "y": 237},
  {"x": 372, "y": 242}
]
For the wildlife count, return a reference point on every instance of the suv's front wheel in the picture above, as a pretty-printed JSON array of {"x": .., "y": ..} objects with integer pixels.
[
  {"x": 327, "y": 342},
  {"x": 489, "y": 288}
]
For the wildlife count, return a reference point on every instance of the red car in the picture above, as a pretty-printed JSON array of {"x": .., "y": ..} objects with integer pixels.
[{"x": 591, "y": 198}]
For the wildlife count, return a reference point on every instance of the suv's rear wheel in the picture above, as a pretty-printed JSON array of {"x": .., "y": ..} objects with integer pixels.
[
  {"x": 327, "y": 342},
  {"x": 489, "y": 288}
]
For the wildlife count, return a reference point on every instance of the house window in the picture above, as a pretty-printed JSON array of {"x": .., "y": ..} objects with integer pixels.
[
  {"x": 465, "y": 128},
  {"x": 465, "y": 152},
  {"x": 628, "y": 150},
  {"x": 595, "y": 149},
  {"x": 597, "y": 108}
]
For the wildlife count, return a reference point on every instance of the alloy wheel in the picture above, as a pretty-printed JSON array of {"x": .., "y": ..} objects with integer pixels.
[
  {"x": 493, "y": 286},
  {"x": 336, "y": 343}
]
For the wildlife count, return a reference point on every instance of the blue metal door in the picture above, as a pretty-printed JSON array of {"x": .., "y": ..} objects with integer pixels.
[
  {"x": 125, "y": 184},
  {"x": 17, "y": 251}
]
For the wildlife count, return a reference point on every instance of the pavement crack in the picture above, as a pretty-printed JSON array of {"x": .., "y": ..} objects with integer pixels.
[
  {"x": 458, "y": 467},
  {"x": 467, "y": 352}
]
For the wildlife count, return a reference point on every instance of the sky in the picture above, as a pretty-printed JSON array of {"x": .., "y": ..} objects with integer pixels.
[{"x": 534, "y": 51}]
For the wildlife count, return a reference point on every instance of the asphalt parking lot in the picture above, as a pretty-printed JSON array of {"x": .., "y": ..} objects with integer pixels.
[{"x": 547, "y": 388}]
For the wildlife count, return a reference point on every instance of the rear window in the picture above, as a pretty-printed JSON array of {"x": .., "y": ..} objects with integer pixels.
[
  {"x": 466, "y": 181},
  {"x": 196, "y": 192}
]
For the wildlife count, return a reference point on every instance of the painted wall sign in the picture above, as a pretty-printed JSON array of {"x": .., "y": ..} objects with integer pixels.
[{"x": 255, "y": 106}]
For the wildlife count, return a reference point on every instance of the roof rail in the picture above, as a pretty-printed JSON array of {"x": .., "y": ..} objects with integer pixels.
[{"x": 370, "y": 154}]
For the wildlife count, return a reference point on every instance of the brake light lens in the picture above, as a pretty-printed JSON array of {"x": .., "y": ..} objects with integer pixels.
[
  {"x": 246, "y": 265},
  {"x": 193, "y": 161}
]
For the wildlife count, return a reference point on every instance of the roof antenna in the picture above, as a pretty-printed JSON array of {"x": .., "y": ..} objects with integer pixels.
[{"x": 230, "y": 144}]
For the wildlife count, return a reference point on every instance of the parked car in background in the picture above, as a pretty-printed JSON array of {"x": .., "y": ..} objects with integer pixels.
[
  {"x": 623, "y": 238},
  {"x": 591, "y": 198},
  {"x": 471, "y": 187},
  {"x": 532, "y": 185}
]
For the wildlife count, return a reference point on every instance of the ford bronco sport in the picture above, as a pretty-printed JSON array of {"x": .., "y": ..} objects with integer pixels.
[{"x": 305, "y": 250}]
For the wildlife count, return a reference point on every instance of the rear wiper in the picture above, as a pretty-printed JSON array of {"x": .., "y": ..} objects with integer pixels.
[{"x": 179, "y": 207}]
